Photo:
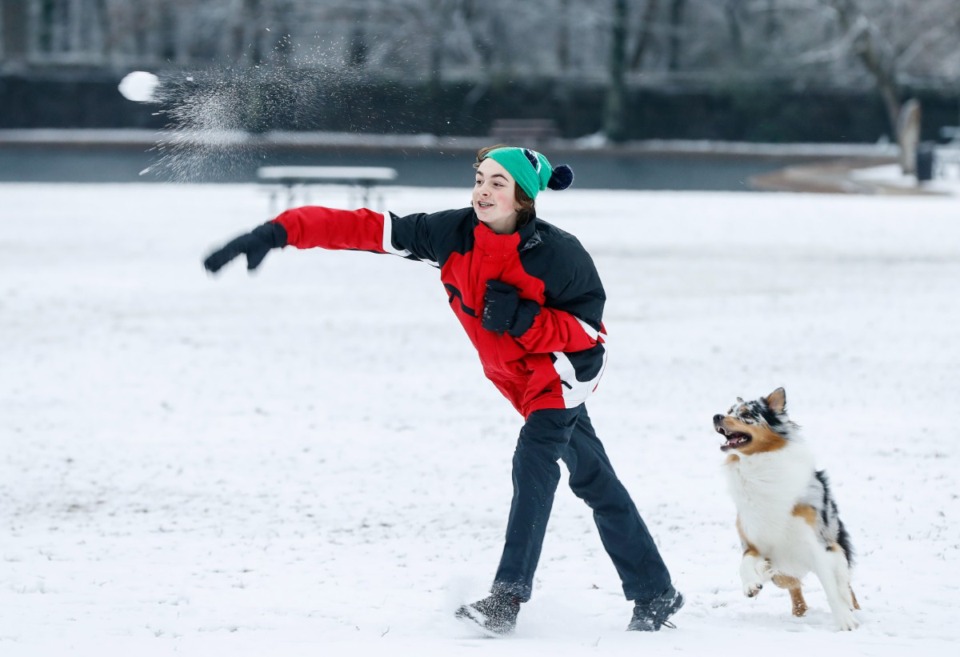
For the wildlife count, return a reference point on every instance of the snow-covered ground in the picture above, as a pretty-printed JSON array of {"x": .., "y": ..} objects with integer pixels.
[{"x": 308, "y": 461}]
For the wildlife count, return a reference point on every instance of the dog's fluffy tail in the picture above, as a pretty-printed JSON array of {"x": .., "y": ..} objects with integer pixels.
[{"x": 833, "y": 526}]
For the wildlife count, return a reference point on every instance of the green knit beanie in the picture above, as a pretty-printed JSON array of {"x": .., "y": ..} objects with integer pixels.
[{"x": 531, "y": 169}]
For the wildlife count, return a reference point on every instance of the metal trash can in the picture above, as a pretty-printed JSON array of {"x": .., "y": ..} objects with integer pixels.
[{"x": 925, "y": 153}]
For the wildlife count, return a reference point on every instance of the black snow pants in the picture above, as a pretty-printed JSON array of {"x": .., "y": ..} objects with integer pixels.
[{"x": 547, "y": 437}]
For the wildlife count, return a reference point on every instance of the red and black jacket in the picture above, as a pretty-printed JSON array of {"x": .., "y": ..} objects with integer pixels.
[{"x": 558, "y": 361}]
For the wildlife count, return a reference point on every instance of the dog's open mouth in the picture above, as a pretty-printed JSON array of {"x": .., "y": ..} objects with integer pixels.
[{"x": 735, "y": 439}]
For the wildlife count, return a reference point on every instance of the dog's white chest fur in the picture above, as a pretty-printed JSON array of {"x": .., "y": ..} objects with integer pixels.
[{"x": 766, "y": 489}]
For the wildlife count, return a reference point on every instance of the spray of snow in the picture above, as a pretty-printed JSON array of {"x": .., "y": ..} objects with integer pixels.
[
  {"x": 216, "y": 118},
  {"x": 206, "y": 127}
]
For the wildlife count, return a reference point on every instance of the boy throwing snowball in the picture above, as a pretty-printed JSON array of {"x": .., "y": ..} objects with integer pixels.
[{"x": 531, "y": 302}]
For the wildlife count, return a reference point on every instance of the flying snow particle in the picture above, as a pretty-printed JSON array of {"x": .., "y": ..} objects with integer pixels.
[{"x": 139, "y": 86}]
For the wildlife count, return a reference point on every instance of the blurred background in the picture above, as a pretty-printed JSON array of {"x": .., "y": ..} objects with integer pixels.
[{"x": 620, "y": 76}]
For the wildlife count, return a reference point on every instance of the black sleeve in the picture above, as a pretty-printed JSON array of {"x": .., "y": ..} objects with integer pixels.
[
  {"x": 430, "y": 238},
  {"x": 571, "y": 281}
]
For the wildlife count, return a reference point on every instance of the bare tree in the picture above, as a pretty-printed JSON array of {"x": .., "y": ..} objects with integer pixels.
[
  {"x": 895, "y": 42},
  {"x": 615, "y": 109},
  {"x": 644, "y": 36},
  {"x": 13, "y": 30},
  {"x": 732, "y": 10},
  {"x": 874, "y": 50},
  {"x": 674, "y": 35}
]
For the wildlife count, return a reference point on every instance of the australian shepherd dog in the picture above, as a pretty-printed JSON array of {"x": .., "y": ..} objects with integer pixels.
[{"x": 786, "y": 516}]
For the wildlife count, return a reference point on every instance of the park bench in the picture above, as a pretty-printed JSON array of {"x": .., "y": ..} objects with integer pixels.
[{"x": 294, "y": 179}]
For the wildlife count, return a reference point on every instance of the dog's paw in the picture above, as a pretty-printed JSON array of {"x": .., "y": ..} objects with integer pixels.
[
  {"x": 752, "y": 590},
  {"x": 846, "y": 621},
  {"x": 754, "y": 571}
]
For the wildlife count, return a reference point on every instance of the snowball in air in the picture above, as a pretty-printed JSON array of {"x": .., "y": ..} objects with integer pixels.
[{"x": 139, "y": 86}]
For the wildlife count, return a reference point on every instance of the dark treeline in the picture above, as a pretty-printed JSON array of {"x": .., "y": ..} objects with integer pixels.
[
  {"x": 757, "y": 70},
  {"x": 759, "y": 114}
]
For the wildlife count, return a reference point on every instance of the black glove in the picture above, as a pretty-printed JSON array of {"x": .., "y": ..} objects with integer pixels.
[
  {"x": 255, "y": 245},
  {"x": 505, "y": 311}
]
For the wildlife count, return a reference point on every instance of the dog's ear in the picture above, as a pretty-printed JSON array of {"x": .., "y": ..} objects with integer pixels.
[{"x": 777, "y": 400}]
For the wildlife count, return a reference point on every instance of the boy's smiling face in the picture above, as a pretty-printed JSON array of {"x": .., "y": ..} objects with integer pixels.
[{"x": 494, "y": 197}]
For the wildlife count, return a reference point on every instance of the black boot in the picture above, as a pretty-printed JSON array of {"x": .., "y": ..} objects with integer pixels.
[
  {"x": 650, "y": 616},
  {"x": 496, "y": 613}
]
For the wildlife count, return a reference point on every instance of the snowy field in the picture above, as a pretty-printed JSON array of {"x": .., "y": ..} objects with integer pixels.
[{"x": 308, "y": 461}]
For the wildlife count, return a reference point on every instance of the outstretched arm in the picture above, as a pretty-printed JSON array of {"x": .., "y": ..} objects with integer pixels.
[{"x": 315, "y": 226}]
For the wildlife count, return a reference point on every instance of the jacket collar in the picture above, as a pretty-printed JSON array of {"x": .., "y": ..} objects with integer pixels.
[
  {"x": 526, "y": 237},
  {"x": 529, "y": 235}
]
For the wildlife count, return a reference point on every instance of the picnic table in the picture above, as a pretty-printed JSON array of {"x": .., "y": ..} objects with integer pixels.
[{"x": 298, "y": 178}]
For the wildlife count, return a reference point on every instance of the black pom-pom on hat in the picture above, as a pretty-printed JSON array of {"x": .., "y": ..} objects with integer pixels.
[{"x": 561, "y": 178}]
